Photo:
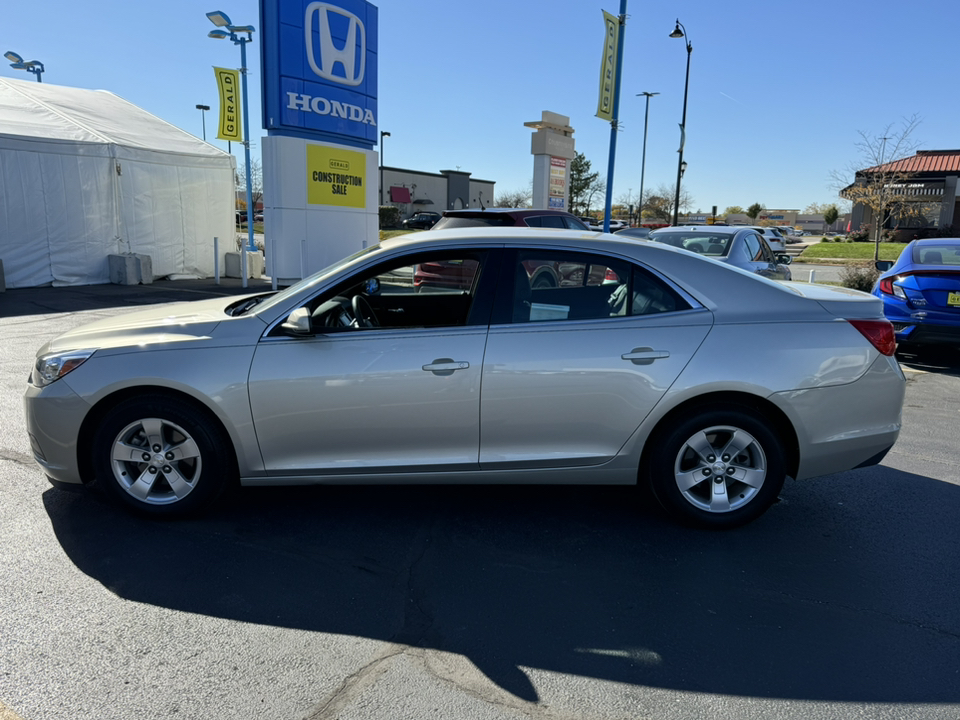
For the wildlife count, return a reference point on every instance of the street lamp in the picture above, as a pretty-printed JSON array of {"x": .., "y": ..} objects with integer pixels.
[
  {"x": 203, "y": 116},
  {"x": 643, "y": 160},
  {"x": 17, "y": 63},
  {"x": 236, "y": 34},
  {"x": 383, "y": 134},
  {"x": 678, "y": 32}
]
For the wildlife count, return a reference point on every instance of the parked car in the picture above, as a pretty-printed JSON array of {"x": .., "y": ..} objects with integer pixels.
[
  {"x": 510, "y": 217},
  {"x": 921, "y": 293},
  {"x": 423, "y": 220},
  {"x": 615, "y": 225},
  {"x": 640, "y": 233},
  {"x": 652, "y": 365},
  {"x": 775, "y": 239},
  {"x": 741, "y": 247}
]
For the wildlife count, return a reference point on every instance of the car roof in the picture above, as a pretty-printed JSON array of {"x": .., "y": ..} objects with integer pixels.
[
  {"x": 715, "y": 229},
  {"x": 518, "y": 212}
]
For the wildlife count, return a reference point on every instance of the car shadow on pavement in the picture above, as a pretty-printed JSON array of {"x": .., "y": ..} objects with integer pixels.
[
  {"x": 844, "y": 591},
  {"x": 940, "y": 360}
]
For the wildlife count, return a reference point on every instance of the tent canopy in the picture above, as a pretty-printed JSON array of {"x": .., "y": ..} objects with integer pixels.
[{"x": 85, "y": 174}]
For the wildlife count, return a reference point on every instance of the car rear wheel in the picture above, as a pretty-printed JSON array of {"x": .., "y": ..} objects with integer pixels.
[
  {"x": 718, "y": 467},
  {"x": 161, "y": 457}
]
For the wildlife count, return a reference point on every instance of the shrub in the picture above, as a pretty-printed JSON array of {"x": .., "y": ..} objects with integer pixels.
[
  {"x": 389, "y": 216},
  {"x": 859, "y": 278}
]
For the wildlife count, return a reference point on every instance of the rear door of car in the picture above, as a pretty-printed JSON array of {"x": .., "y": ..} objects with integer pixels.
[{"x": 571, "y": 371}]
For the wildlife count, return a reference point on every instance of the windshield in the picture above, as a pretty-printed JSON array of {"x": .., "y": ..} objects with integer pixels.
[
  {"x": 704, "y": 243},
  {"x": 315, "y": 279},
  {"x": 495, "y": 219}
]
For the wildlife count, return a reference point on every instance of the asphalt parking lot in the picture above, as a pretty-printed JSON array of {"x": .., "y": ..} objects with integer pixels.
[{"x": 479, "y": 602}]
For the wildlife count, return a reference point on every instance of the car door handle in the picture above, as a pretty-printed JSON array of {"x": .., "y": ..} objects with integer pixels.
[
  {"x": 446, "y": 366},
  {"x": 644, "y": 355}
]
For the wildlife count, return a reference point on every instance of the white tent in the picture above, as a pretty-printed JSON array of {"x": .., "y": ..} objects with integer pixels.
[{"x": 84, "y": 174}]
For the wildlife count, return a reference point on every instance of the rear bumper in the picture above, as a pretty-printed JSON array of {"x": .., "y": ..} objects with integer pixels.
[
  {"x": 850, "y": 426},
  {"x": 927, "y": 333}
]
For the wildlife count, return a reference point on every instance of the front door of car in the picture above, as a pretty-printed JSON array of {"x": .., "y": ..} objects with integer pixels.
[
  {"x": 571, "y": 370},
  {"x": 403, "y": 396}
]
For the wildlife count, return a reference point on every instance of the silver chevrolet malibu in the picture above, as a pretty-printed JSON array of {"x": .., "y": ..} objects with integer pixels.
[{"x": 479, "y": 356}]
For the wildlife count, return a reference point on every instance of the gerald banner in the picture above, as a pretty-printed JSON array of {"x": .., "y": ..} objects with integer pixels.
[
  {"x": 228, "y": 82},
  {"x": 608, "y": 65},
  {"x": 336, "y": 177}
]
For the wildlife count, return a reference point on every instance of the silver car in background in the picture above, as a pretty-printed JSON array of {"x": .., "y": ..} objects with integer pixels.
[
  {"x": 435, "y": 358},
  {"x": 741, "y": 247}
]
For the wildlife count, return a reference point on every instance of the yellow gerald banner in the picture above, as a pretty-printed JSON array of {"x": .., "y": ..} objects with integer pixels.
[
  {"x": 608, "y": 66},
  {"x": 336, "y": 177},
  {"x": 228, "y": 81}
]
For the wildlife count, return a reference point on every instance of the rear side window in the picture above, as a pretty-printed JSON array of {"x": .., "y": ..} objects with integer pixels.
[
  {"x": 556, "y": 285},
  {"x": 547, "y": 221}
]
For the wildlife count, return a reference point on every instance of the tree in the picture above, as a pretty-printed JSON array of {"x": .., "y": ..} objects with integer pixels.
[
  {"x": 733, "y": 210},
  {"x": 515, "y": 198},
  {"x": 830, "y": 214},
  {"x": 584, "y": 185},
  {"x": 658, "y": 205},
  {"x": 256, "y": 184},
  {"x": 754, "y": 210},
  {"x": 878, "y": 182}
]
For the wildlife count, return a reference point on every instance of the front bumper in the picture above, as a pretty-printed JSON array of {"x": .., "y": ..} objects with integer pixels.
[{"x": 54, "y": 415}]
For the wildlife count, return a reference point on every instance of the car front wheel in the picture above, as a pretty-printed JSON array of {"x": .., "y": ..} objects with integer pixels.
[
  {"x": 718, "y": 467},
  {"x": 161, "y": 457}
]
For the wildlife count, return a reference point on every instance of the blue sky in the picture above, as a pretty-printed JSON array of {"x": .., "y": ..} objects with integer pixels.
[{"x": 778, "y": 91}]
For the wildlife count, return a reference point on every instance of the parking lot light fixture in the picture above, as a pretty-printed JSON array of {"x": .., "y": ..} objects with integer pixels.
[
  {"x": 31, "y": 66},
  {"x": 239, "y": 35},
  {"x": 681, "y": 32}
]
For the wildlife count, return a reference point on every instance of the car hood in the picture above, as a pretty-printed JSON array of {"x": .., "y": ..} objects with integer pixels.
[{"x": 162, "y": 324}]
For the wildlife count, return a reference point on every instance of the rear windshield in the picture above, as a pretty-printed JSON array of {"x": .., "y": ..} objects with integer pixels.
[
  {"x": 937, "y": 254},
  {"x": 713, "y": 245},
  {"x": 491, "y": 220}
]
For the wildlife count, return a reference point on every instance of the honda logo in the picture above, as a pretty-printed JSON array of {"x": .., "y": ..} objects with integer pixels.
[{"x": 329, "y": 55}]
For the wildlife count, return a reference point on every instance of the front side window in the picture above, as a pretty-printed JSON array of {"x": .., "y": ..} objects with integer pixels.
[
  {"x": 555, "y": 285},
  {"x": 421, "y": 291}
]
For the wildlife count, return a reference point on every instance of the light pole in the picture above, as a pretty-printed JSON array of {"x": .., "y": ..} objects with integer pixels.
[
  {"x": 383, "y": 134},
  {"x": 203, "y": 116},
  {"x": 643, "y": 158},
  {"x": 236, "y": 34},
  {"x": 17, "y": 63},
  {"x": 678, "y": 32}
]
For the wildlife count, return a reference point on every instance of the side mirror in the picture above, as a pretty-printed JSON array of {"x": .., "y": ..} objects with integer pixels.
[
  {"x": 883, "y": 265},
  {"x": 298, "y": 323},
  {"x": 784, "y": 259}
]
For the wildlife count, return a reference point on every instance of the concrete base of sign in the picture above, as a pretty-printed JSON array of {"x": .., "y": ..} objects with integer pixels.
[
  {"x": 130, "y": 269},
  {"x": 233, "y": 265}
]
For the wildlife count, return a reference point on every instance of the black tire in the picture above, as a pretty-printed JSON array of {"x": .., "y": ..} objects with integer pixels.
[
  {"x": 189, "y": 465},
  {"x": 542, "y": 281},
  {"x": 684, "y": 480}
]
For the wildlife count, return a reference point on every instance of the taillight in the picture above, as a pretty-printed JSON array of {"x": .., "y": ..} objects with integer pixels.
[
  {"x": 879, "y": 333},
  {"x": 610, "y": 276},
  {"x": 886, "y": 286}
]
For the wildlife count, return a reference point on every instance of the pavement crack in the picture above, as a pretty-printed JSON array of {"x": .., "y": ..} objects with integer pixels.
[{"x": 354, "y": 685}]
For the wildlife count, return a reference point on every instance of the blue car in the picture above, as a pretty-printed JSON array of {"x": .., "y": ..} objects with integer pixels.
[{"x": 921, "y": 293}]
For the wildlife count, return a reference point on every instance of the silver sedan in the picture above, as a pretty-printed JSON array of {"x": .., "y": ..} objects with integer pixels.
[{"x": 479, "y": 356}]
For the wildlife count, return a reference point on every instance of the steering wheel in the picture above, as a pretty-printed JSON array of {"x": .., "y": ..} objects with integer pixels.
[{"x": 363, "y": 312}]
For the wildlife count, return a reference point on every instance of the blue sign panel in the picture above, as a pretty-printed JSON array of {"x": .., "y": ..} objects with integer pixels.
[{"x": 319, "y": 63}]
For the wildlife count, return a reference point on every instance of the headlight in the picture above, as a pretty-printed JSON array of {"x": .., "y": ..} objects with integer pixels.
[{"x": 50, "y": 368}]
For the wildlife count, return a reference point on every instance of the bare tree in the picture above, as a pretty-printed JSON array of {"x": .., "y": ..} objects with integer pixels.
[
  {"x": 878, "y": 182},
  {"x": 658, "y": 204},
  {"x": 256, "y": 184},
  {"x": 515, "y": 198}
]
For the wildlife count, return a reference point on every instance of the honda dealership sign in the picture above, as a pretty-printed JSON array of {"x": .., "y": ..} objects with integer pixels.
[{"x": 319, "y": 64}]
